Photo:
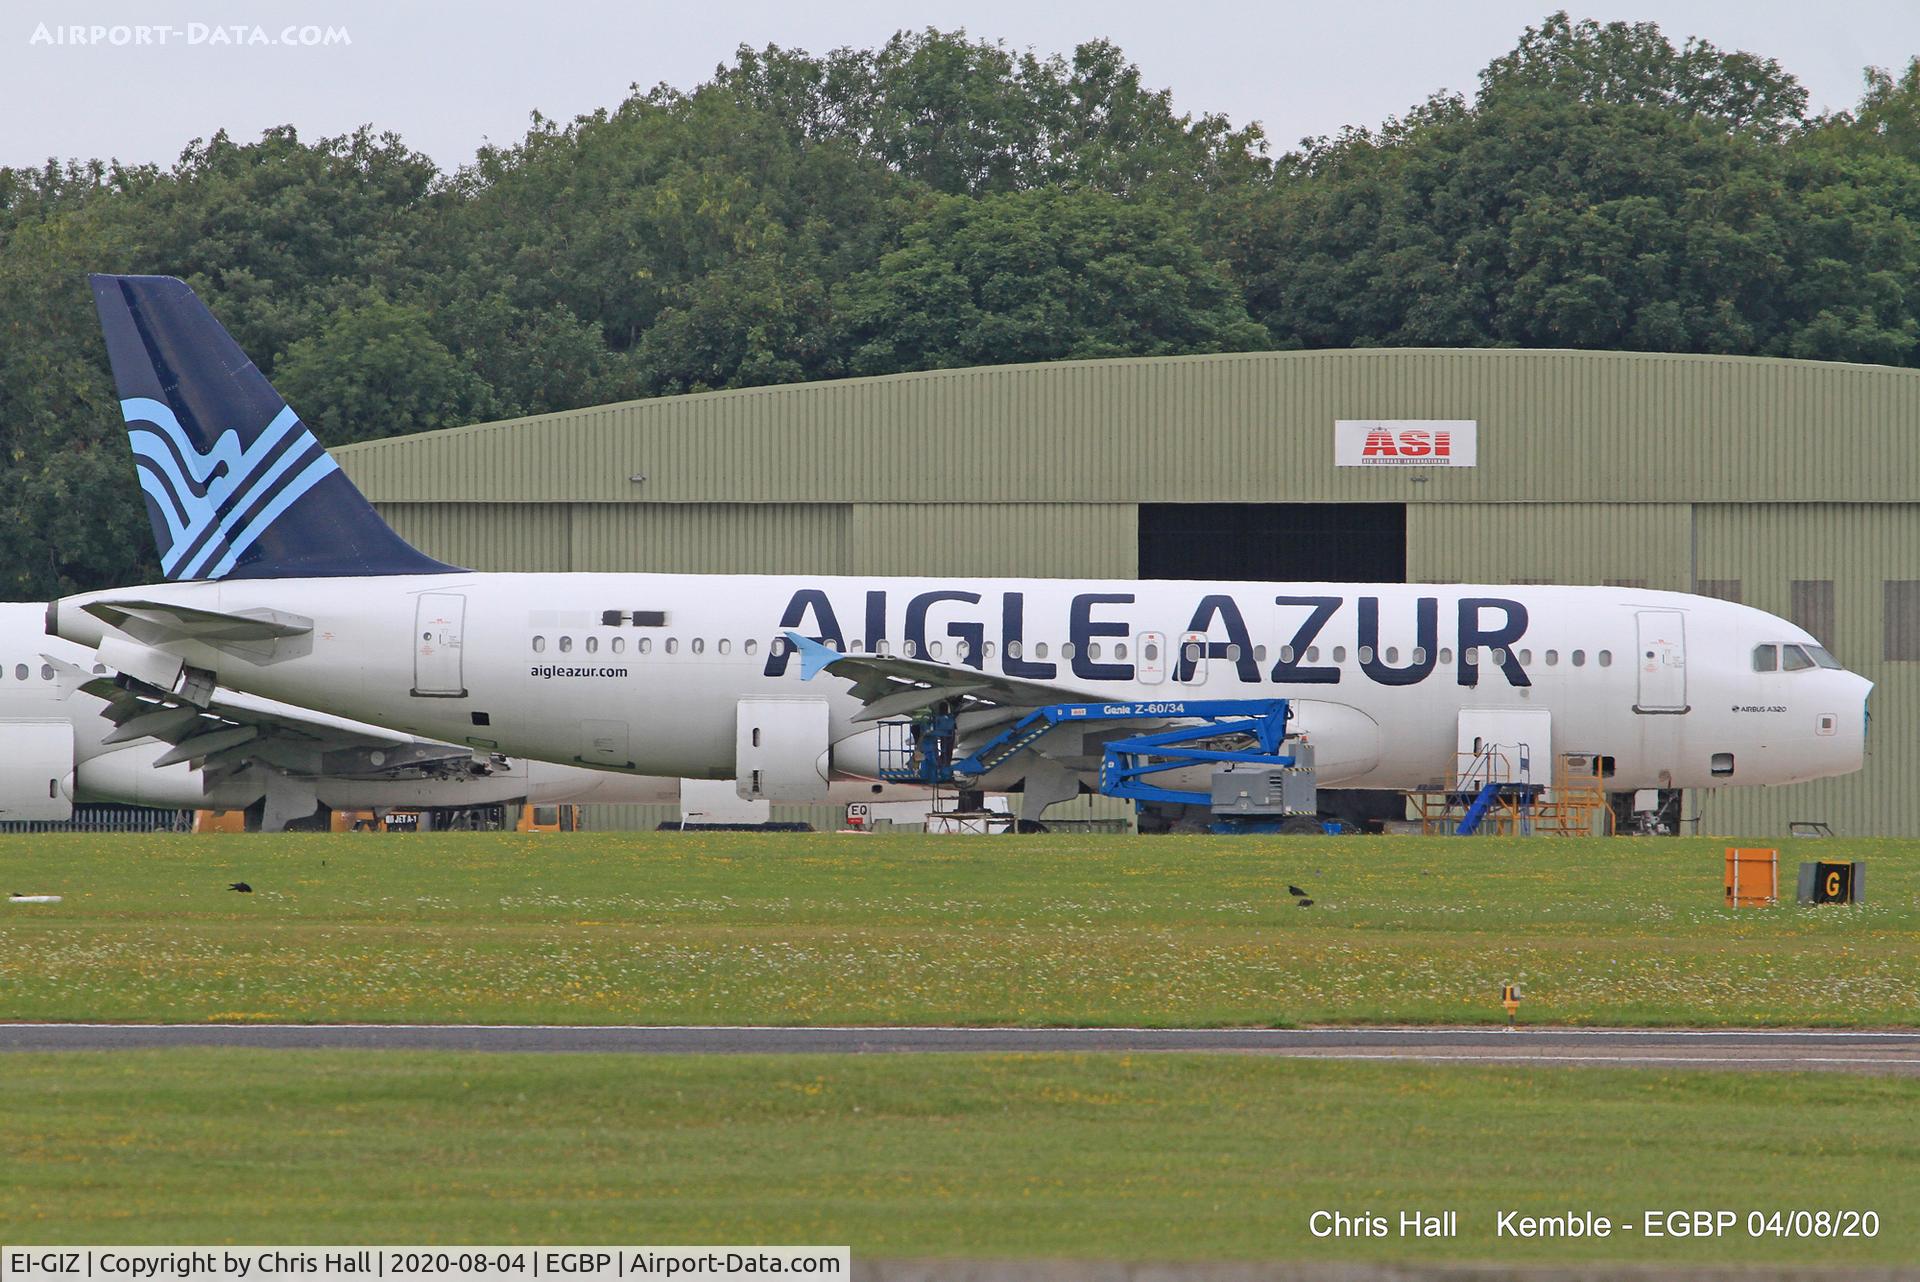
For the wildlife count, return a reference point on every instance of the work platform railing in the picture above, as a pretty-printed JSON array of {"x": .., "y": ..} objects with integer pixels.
[{"x": 1494, "y": 795}]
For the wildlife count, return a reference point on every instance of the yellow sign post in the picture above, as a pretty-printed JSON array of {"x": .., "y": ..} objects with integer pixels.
[{"x": 1510, "y": 998}]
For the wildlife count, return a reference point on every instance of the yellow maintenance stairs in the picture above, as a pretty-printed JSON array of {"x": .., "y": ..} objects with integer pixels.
[{"x": 1576, "y": 806}]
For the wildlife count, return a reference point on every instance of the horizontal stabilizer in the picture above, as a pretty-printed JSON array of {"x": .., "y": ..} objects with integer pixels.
[{"x": 157, "y": 623}]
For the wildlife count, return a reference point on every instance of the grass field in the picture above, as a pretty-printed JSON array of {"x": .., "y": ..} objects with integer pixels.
[
  {"x": 724, "y": 928},
  {"x": 1096, "y": 1156}
]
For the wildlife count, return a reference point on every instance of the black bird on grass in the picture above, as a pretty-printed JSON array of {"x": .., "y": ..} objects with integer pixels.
[
  {"x": 1296, "y": 892},
  {"x": 242, "y": 887},
  {"x": 1306, "y": 903}
]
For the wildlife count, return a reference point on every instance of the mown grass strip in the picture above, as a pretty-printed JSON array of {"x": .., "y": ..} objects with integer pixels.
[
  {"x": 672, "y": 928},
  {"x": 1157, "y": 1156}
]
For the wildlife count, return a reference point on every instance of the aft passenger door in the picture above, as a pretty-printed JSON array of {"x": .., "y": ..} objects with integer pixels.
[
  {"x": 1662, "y": 662},
  {"x": 438, "y": 620}
]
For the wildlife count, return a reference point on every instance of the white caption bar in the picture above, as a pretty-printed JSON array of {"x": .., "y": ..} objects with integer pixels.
[{"x": 415, "y": 1263}]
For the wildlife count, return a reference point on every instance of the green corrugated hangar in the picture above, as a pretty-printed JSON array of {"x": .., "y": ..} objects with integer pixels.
[{"x": 1793, "y": 486}]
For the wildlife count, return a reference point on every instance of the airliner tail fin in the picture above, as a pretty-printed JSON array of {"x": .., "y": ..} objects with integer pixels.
[{"x": 236, "y": 486}]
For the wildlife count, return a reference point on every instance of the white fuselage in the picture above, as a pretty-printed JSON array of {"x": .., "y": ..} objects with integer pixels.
[{"x": 641, "y": 673}]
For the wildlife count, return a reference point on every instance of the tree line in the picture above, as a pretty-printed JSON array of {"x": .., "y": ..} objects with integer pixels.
[{"x": 945, "y": 201}]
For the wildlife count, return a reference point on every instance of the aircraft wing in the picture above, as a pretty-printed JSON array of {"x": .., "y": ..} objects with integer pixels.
[
  {"x": 985, "y": 705},
  {"x": 895, "y": 687},
  {"x": 234, "y": 730}
]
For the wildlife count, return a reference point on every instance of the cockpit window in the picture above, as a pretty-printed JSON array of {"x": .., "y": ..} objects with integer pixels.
[
  {"x": 1821, "y": 657},
  {"x": 1766, "y": 658},
  {"x": 1794, "y": 658}
]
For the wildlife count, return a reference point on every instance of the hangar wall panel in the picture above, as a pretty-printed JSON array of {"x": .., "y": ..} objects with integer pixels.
[
  {"x": 1251, "y": 427},
  {"x": 502, "y": 537},
  {"x": 1769, "y": 547},
  {"x": 1038, "y": 540},
  {"x": 710, "y": 538},
  {"x": 1641, "y": 543}
]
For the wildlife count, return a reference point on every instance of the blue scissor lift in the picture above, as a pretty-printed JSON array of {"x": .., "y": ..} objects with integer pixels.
[{"x": 1251, "y": 732}]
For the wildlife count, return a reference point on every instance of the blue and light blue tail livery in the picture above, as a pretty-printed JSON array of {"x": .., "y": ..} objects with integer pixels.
[{"x": 235, "y": 484}]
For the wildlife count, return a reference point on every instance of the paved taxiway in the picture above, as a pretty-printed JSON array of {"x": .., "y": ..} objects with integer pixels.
[{"x": 1802, "y": 1050}]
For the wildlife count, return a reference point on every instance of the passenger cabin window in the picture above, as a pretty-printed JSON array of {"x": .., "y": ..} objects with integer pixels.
[
  {"x": 699, "y": 645},
  {"x": 724, "y": 646},
  {"x": 750, "y": 646},
  {"x": 673, "y": 645},
  {"x": 593, "y": 644},
  {"x": 1553, "y": 658},
  {"x": 1794, "y": 658},
  {"x": 643, "y": 646},
  {"x": 566, "y": 644},
  {"x": 619, "y": 645},
  {"x": 20, "y": 672},
  {"x": 46, "y": 672},
  {"x": 1149, "y": 651},
  {"x": 1039, "y": 649},
  {"x": 1606, "y": 658},
  {"x": 1579, "y": 658},
  {"x": 1766, "y": 658},
  {"x": 539, "y": 645}
]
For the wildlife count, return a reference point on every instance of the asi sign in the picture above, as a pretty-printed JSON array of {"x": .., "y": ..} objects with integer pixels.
[{"x": 1405, "y": 442}]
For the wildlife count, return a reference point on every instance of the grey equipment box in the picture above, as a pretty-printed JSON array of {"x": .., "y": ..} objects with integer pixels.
[{"x": 1290, "y": 791}]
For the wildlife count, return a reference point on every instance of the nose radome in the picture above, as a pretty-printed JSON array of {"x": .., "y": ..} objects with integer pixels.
[{"x": 1853, "y": 738}]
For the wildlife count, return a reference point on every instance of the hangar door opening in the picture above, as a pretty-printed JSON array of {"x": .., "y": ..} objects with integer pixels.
[
  {"x": 1280, "y": 543},
  {"x": 1274, "y": 542}
]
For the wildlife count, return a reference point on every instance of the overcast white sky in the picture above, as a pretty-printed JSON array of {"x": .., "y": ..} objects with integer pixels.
[{"x": 448, "y": 76}]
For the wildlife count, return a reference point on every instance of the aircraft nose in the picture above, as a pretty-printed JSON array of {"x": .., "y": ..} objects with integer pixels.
[{"x": 1858, "y": 720}]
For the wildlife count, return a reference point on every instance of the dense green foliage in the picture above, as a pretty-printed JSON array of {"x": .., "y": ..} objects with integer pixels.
[{"x": 946, "y": 201}]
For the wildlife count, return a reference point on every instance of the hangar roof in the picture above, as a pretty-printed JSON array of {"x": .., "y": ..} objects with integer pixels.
[{"x": 1565, "y": 426}]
